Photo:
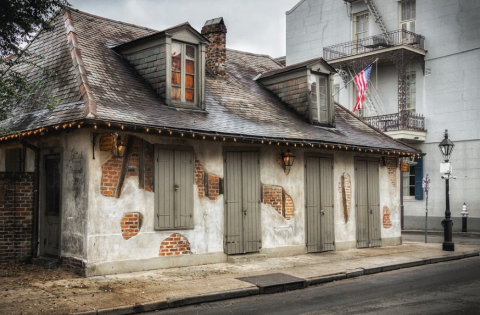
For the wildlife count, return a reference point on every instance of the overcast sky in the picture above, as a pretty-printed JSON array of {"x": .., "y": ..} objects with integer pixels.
[{"x": 256, "y": 26}]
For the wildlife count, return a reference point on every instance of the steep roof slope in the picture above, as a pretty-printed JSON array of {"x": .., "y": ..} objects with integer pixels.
[{"x": 235, "y": 106}]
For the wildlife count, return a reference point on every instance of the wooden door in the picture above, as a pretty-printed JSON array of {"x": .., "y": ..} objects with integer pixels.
[
  {"x": 367, "y": 203},
  {"x": 242, "y": 202},
  {"x": 319, "y": 204},
  {"x": 52, "y": 206}
]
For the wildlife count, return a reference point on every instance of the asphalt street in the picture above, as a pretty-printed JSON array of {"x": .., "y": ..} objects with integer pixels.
[{"x": 443, "y": 288}]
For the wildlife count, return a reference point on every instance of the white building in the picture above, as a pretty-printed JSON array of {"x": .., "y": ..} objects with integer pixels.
[{"x": 426, "y": 80}]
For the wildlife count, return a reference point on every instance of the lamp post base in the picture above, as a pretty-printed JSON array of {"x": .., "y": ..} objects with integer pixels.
[{"x": 448, "y": 246}]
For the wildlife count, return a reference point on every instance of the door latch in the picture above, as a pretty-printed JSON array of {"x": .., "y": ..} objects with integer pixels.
[
  {"x": 322, "y": 212},
  {"x": 245, "y": 211},
  {"x": 371, "y": 211},
  {"x": 176, "y": 187}
]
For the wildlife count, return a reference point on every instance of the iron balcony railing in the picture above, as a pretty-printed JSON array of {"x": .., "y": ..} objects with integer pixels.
[
  {"x": 405, "y": 120},
  {"x": 372, "y": 43}
]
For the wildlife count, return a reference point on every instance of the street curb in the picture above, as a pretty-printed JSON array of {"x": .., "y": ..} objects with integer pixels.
[
  {"x": 324, "y": 279},
  {"x": 244, "y": 292},
  {"x": 210, "y": 297}
]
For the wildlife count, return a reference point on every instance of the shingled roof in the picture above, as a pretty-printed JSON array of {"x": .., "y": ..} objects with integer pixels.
[{"x": 235, "y": 106}]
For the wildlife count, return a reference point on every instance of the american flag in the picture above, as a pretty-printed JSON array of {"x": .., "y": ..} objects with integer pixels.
[{"x": 361, "y": 80}]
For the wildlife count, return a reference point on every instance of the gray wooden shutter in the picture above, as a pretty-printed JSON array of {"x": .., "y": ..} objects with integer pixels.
[
  {"x": 251, "y": 201},
  {"x": 374, "y": 204},
  {"x": 327, "y": 218},
  {"x": 361, "y": 203},
  {"x": 233, "y": 206},
  {"x": 184, "y": 191},
  {"x": 165, "y": 190},
  {"x": 313, "y": 204}
]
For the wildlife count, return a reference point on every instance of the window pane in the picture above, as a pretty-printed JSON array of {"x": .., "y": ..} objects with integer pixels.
[
  {"x": 189, "y": 95},
  {"x": 190, "y": 66},
  {"x": 313, "y": 91},
  {"x": 176, "y": 49},
  {"x": 176, "y": 64},
  {"x": 190, "y": 52},
  {"x": 189, "y": 81},
  {"x": 175, "y": 93},
  {"x": 176, "y": 78}
]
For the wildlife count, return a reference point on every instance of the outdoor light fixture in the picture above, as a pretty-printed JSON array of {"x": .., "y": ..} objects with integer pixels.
[
  {"x": 286, "y": 161},
  {"x": 446, "y": 147},
  {"x": 288, "y": 158},
  {"x": 119, "y": 145}
]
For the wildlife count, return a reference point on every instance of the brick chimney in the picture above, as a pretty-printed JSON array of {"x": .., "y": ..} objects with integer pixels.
[{"x": 216, "y": 55}]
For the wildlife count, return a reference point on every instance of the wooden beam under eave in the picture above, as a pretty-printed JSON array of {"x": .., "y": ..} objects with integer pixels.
[{"x": 124, "y": 169}]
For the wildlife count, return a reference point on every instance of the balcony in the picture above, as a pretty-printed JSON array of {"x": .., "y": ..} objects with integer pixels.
[
  {"x": 399, "y": 39},
  {"x": 405, "y": 126}
]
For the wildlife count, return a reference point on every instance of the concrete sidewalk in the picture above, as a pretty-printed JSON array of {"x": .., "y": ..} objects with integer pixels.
[{"x": 57, "y": 292}]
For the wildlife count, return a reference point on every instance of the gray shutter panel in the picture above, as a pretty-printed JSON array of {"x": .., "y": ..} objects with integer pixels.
[
  {"x": 251, "y": 201},
  {"x": 374, "y": 204},
  {"x": 164, "y": 189},
  {"x": 233, "y": 206},
  {"x": 327, "y": 219},
  {"x": 313, "y": 204},
  {"x": 418, "y": 179},
  {"x": 184, "y": 192},
  {"x": 361, "y": 203}
]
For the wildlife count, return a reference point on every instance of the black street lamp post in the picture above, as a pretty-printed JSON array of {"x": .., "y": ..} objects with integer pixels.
[{"x": 446, "y": 147}]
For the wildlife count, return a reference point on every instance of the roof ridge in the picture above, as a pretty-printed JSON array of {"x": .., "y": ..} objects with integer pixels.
[
  {"x": 249, "y": 53},
  {"x": 79, "y": 67},
  {"x": 112, "y": 20},
  {"x": 374, "y": 128}
]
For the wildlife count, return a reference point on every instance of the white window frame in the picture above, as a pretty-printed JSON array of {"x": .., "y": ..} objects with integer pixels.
[
  {"x": 406, "y": 24},
  {"x": 182, "y": 100},
  {"x": 407, "y": 186},
  {"x": 328, "y": 98}
]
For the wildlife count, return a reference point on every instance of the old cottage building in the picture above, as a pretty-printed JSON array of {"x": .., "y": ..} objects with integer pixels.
[{"x": 167, "y": 149}]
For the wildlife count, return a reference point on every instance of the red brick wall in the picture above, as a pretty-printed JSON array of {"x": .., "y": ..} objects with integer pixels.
[
  {"x": 208, "y": 185},
  {"x": 386, "y": 218},
  {"x": 73, "y": 264},
  {"x": 130, "y": 224},
  {"x": 112, "y": 168},
  {"x": 16, "y": 210},
  {"x": 276, "y": 197},
  {"x": 110, "y": 175},
  {"x": 345, "y": 192},
  {"x": 174, "y": 245}
]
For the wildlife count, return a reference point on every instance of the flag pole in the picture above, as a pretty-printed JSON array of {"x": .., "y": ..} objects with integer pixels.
[{"x": 346, "y": 84}]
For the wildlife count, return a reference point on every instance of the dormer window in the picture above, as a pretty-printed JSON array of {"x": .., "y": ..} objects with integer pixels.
[
  {"x": 183, "y": 72},
  {"x": 173, "y": 63},
  {"x": 318, "y": 97}
]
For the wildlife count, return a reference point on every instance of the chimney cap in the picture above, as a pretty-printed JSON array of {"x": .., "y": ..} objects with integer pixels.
[{"x": 218, "y": 20}]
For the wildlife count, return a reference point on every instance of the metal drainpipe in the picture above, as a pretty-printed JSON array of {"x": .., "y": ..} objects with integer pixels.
[{"x": 36, "y": 209}]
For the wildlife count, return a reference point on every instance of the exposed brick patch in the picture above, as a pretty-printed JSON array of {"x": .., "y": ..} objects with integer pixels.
[
  {"x": 110, "y": 175},
  {"x": 130, "y": 224},
  {"x": 208, "y": 185},
  {"x": 276, "y": 197},
  {"x": 73, "y": 264},
  {"x": 174, "y": 245},
  {"x": 345, "y": 191},
  {"x": 392, "y": 170},
  {"x": 386, "y": 218},
  {"x": 16, "y": 211},
  {"x": 111, "y": 170}
]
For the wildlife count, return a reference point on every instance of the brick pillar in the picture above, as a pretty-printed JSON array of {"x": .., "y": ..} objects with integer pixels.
[{"x": 216, "y": 55}]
